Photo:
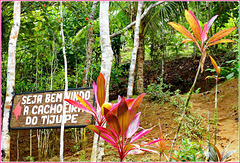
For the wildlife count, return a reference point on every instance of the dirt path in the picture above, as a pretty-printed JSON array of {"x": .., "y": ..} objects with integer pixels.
[{"x": 228, "y": 115}]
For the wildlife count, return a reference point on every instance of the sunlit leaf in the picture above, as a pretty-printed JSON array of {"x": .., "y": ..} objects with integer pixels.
[
  {"x": 217, "y": 69},
  {"x": 106, "y": 106},
  {"x": 86, "y": 103},
  {"x": 186, "y": 40},
  {"x": 209, "y": 77},
  {"x": 80, "y": 106},
  {"x": 210, "y": 22},
  {"x": 221, "y": 41},
  {"x": 194, "y": 24},
  {"x": 182, "y": 30},
  {"x": 220, "y": 35}
]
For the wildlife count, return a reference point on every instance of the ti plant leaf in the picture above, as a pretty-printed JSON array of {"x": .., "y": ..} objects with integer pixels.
[
  {"x": 201, "y": 34},
  {"x": 213, "y": 154},
  {"x": 100, "y": 93},
  {"x": 216, "y": 67},
  {"x": 122, "y": 126}
]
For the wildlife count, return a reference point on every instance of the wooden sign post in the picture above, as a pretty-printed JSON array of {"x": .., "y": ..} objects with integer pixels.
[{"x": 44, "y": 109}]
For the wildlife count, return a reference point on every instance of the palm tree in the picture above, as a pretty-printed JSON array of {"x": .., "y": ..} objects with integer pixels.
[{"x": 156, "y": 20}]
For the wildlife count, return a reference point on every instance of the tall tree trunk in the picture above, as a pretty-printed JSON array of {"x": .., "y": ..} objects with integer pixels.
[
  {"x": 5, "y": 137},
  {"x": 90, "y": 42},
  {"x": 107, "y": 57},
  {"x": 134, "y": 52},
  {"x": 65, "y": 90},
  {"x": 107, "y": 53},
  {"x": 140, "y": 61}
]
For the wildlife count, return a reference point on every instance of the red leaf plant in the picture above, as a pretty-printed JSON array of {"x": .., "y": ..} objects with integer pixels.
[
  {"x": 100, "y": 96},
  {"x": 122, "y": 118},
  {"x": 123, "y": 123},
  {"x": 200, "y": 34},
  {"x": 162, "y": 146}
]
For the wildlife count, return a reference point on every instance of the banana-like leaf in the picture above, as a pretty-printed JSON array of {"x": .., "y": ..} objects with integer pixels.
[
  {"x": 101, "y": 89},
  {"x": 194, "y": 24},
  {"x": 182, "y": 30},
  {"x": 123, "y": 116},
  {"x": 220, "y": 35},
  {"x": 221, "y": 41}
]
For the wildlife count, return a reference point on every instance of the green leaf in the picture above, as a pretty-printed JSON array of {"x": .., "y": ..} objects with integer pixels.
[{"x": 122, "y": 38}]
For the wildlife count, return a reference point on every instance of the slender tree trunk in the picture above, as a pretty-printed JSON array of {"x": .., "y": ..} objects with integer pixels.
[
  {"x": 140, "y": 62},
  {"x": 107, "y": 53},
  {"x": 5, "y": 137},
  {"x": 65, "y": 90},
  {"x": 134, "y": 52},
  {"x": 90, "y": 42},
  {"x": 107, "y": 57}
]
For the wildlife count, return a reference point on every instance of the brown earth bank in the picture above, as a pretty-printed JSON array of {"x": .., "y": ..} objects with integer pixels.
[
  {"x": 169, "y": 112},
  {"x": 179, "y": 73}
]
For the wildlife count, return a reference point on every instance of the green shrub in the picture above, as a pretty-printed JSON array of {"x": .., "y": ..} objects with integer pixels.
[
  {"x": 189, "y": 152},
  {"x": 158, "y": 92}
]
